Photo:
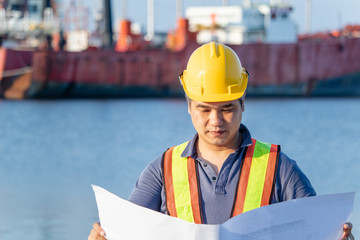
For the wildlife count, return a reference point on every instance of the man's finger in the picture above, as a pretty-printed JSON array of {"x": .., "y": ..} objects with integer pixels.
[
  {"x": 99, "y": 229},
  {"x": 347, "y": 235},
  {"x": 94, "y": 235},
  {"x": 348, "y": 226}
]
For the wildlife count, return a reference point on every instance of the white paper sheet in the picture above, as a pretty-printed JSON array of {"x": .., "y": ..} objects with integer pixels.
[{"x": 312, "y": 218}]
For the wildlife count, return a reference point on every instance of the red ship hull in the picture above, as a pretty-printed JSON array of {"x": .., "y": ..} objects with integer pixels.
[
  {"x": 306, "y": 68},
  {"x": 326, "y": 68},
  {"x": 15, "y": 73}
]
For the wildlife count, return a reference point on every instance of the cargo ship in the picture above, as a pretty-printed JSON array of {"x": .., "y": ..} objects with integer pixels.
[
  {"x": 325, "y": 64},
  {"x": 24, "y": 29}
]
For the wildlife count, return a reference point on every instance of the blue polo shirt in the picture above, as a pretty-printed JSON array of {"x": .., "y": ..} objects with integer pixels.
[{"x": 218, "y": 191}]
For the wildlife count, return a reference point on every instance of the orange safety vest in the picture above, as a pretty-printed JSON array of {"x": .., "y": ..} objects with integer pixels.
[{"x": 254, "y": 188}]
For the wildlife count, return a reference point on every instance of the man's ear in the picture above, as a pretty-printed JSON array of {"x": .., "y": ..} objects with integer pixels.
[{"x": 243, "y": 102}]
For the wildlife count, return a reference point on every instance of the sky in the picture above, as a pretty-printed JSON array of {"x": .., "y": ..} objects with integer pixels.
[{"x": 326, "y": 15}]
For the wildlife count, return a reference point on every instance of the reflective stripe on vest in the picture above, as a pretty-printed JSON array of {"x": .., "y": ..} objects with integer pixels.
[
  {"x": 254, "y": 189},
  {"x": 257, "y": 178},
  {"x": 181, "y": 185}
]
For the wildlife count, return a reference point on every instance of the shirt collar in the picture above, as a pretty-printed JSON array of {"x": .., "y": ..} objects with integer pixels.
[{"x": 190, "y": 149}]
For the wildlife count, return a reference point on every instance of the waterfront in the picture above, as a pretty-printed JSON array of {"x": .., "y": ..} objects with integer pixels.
[{"x": 51, "y": 151}]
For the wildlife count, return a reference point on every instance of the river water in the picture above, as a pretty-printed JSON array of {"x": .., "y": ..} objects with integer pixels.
[{"x": 51, "y": 151}]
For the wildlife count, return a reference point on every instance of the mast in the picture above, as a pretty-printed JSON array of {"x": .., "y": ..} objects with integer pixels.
[
  {"x": 46, "y": 4},
  {"x": 150, "y": 21},
  {"x": 179, "y": 7},
  {"x": 108, "y": 36},
  {"x": 247, "y": 3},
  {"x": 308, "y": 16},
  {"x": 124, "y": 10}
]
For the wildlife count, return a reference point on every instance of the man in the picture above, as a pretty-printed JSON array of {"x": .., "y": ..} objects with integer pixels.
[{"x": 222, "y": 171}]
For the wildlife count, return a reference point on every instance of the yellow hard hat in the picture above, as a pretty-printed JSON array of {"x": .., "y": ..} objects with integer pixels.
[{"x": 214, "y": 74}]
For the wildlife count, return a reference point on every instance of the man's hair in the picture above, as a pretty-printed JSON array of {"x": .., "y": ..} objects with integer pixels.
[
  {"x": 187, "y": 98},
  {"x": 240, "y": 99}
]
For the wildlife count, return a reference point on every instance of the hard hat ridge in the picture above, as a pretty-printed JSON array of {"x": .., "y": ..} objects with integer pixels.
[{"x": 214, "y": 50}]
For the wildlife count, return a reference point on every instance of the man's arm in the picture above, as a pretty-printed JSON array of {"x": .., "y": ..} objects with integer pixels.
[
  {"x": 148, "y": 187},
  {"x": 146, "y": 193},
  {"x": 291, "y": 182}
]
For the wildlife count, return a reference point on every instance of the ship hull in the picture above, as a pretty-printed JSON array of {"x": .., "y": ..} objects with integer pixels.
[
  {"x": 342, "y": 86},
  {"x": 15, "y": 73},
  {"x": 106, "y": 74},
  {"x": 58, "y": 90},
  {"x": 348, "y": 85},
  {"x": 326, "y": 68}
]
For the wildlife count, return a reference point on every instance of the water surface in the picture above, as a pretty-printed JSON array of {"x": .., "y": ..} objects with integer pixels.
[{"x": 51, "y": 151}]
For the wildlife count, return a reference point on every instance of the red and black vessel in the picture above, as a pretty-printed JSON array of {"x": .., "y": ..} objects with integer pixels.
[{"x": 316, "y": 65}]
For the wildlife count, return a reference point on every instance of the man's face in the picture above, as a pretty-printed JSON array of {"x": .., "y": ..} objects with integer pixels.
[{"x": 217, "y": 123}]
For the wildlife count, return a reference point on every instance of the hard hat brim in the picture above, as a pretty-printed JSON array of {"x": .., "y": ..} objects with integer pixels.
[{"x": 216, "y": 97}]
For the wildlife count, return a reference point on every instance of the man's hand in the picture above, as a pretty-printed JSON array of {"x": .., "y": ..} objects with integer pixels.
[
  {"x": 97, "y": 233},
  {"x": 347, "y": 235}
]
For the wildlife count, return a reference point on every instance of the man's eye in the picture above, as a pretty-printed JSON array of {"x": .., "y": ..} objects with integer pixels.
[{"x": 227, "y": 110}]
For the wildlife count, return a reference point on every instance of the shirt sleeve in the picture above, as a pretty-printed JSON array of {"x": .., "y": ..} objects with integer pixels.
[
  {"x": 148, "y": 187},
  {"x": 291, "y": 182}
]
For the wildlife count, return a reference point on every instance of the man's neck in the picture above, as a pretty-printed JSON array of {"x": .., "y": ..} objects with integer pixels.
[{"x": 216, "y": 155}]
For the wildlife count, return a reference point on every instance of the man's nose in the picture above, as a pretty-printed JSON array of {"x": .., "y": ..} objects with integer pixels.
[{"x": 216, "y": 118}]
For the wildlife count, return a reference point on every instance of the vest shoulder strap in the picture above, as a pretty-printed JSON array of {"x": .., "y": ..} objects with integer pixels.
[
  {"x": 257, "y": 177},
  {"x": 180, "y": 177}
]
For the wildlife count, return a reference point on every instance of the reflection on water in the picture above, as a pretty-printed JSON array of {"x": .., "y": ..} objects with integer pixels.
[{"x": 51, "y": 151}]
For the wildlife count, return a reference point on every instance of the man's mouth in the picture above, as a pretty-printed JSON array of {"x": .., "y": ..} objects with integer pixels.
[{"x": 217, "y": 132}]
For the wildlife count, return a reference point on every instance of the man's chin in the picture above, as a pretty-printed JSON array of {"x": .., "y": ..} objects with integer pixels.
[{"x": 218, "y": 142}]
